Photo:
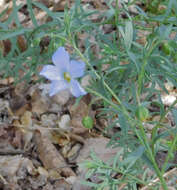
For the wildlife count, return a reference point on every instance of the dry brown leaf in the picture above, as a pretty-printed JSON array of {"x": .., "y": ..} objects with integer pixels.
[
  {"x": 18, "y": 102},
  {"x": 42, "y": 171},
  {"x": 7, "y": 81},
  {"x": 7, "y": 6},
  {"x": 62, "y": 97},
  {"x": 25, "y": 126},
  {"x": 17, "y": 141},
  {"x": 77, "y": 114},
  {"x": 62, "y": 184},
  {"x": 6, "y": 46},
  {"x": 6, "y": 137},
  {"x": 40, "y": 104},
  {"x": 47, "y": 3},
  {"x": 50, "y": 157},
  {"x": 142, "y": 36},
  {"x": 6, "y": 115},
  {"x": 98, "y": 145},
  {"x": 59, "y": 5},
  {"x": 22, "y": 44},
  {"x": 73, "y": 153},
  {"x": 53, "y": 174}
]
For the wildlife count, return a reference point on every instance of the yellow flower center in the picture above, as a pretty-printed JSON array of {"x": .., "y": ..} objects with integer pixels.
[{"x": 67, "y": 76}]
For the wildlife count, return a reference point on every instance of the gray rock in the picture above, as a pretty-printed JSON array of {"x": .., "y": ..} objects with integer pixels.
[{"x": 64, "y": 122}]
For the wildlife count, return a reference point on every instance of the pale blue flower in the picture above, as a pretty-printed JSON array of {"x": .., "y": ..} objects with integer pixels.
[{"x": 63, "y": 73}]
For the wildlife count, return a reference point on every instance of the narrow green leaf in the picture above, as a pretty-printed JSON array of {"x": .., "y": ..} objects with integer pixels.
[
  {"x": 32, "y": 16},
  {"x": 128, "y": 37},
  {"x": 48, "y": 11},
  {"x": 13, "y": 33},
  {"x": 174, "y": 112},
  {"x": 134, "y": 156}
]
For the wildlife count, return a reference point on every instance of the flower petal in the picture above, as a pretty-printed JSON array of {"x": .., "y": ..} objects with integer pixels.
[
  {"x": 61, "y": 59},
  {"x": 76, "y": 68},
  {"x": 51, "y": 72},
  {"x": 76, "y": 89},
  {"x": 57, "y": 86}
]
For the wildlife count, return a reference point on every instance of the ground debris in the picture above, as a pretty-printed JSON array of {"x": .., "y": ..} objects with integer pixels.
[
  {"x": 14, "y": 169},
  {"x": 50, "y": 157}
]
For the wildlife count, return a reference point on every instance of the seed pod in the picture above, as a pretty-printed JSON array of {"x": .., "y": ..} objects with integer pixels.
[
  {"x": 175, "y": 58},
  {"x": 142, "y": 113},
  {"x": 166, "y": 48},
  {"x": 87, "y": 122}
]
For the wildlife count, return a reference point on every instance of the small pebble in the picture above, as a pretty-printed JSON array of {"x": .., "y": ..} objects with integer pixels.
[{"x": 64, "y": 122}]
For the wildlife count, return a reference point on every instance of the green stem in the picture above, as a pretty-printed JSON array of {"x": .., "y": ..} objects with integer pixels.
[
  {"x": 169, "y": 154},
  {"x": 119, "y": 171},
  {"x": 141, "y": 77},
  {"x": 103, "y": 98},
  {"x": 152, "y": 158},
  {"x": 99, "y": 78},
  {"x": 154, "y": 131},
  {"x": 117, "y": 13},
  {"x": 154, "y": 44},
  {"x": 138, "y": 98}
]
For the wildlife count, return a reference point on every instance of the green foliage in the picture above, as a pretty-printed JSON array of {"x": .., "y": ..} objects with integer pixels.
[
  {"x": 121, "y": 70},
  {"x": 126, "y": 169}
]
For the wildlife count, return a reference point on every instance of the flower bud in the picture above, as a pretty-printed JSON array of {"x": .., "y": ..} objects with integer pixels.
[
  {"x": 142, "y": 113},
  {"x": 87, "y": 122},
  {"x": 166, "y": 48}
]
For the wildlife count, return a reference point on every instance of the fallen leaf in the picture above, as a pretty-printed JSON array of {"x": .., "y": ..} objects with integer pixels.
[
  {"x": 18, "y": 105},
  {"x": 59, "y": 5},
  {"x": 50, "y": 157},
  {"x": 78, "y": 112},
  {"x": 62, "y": 184},
  {"x": 73, "y": 153},
  {"x": 40, "y": 104},
  {"x": 17, "y": 141},
  {"x": 99, "y": 146},
  {"x": 62, "y": 97},
  {"x": 25, "y": 126},
  {"x": 22, "y": 44},
  {"x": 42, "y": 171}
]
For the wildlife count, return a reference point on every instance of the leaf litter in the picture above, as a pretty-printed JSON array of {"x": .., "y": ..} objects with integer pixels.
[{"x": 40, "y": 144}]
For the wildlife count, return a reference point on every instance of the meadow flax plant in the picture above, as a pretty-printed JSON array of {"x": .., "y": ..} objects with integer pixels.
[
  {"x": 140, "y": 134},
  {"x": 63, "y": 73},
  {"x": 136, "y": 125}
]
